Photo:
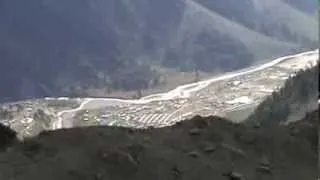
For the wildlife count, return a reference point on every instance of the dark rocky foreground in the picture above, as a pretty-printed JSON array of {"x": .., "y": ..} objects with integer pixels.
[{"x": 201, "y": 148}]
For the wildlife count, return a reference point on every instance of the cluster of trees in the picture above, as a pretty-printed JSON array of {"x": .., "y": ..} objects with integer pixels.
[
  {"x": 136, "y": 77},
  {"x": 299, "y": 89},
  {"x": 41, "y": 117},
  {"x": 62, "y": 103},
  {"x": 5, "y": 114},
  {"x": 7, "y": 136}
]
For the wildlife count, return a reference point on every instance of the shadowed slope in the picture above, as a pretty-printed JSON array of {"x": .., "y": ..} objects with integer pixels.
[{"x": 201, "y": 148}]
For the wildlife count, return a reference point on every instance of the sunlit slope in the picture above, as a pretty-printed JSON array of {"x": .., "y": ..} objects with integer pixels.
[
  {"x": 274, "y": 18},
  {"x": 198, "y": 19}
]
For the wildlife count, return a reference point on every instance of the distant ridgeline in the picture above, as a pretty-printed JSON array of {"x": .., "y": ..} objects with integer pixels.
[
  {"x": 300, "y": 93},
  {"x": 67, "y": 48}
]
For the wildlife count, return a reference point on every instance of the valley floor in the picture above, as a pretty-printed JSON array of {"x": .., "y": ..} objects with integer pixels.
[
  {"x": 235, "y": 91},
  {"x": 218, "y": 98}
]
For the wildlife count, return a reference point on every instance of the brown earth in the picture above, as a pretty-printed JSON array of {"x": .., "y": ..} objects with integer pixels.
[{"x": 200, "y": 149}]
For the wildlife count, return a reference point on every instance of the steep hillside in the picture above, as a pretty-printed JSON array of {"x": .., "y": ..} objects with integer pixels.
[
  {"x": 202, "y": 148},
  {"x": 298, "y": 96},
  {"x": 272, "y": 18},
  {"x": 308, "y": 6},
  {"x": 209, "y": 41},
  {"x": 51, "y": 48}
]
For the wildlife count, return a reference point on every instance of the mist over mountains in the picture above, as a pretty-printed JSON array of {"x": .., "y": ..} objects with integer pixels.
[{"x": 51, "y": 48}]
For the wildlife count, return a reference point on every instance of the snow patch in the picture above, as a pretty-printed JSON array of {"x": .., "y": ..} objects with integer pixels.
[
  {"x": 273, "y": 77},
  {"x": 63, "y": 98},
  {"x": 27, "y": 120},
  {"x": 241, "y": 100},
  {"x": 266, "y": 90},
  {"x": 236, "y": 83}
]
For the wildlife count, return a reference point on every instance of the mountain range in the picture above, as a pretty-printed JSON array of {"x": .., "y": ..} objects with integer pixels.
[{"x": 54, "y": 48}]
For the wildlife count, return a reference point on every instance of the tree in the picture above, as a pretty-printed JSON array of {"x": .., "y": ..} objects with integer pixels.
[
  {"x": 5, "y": 114},
  {"x": 7, "y": 136},
  {"x": 299, "y": 89},
  {"x": 41, "y": 117},
  {"x": 196, "y": 74}
]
